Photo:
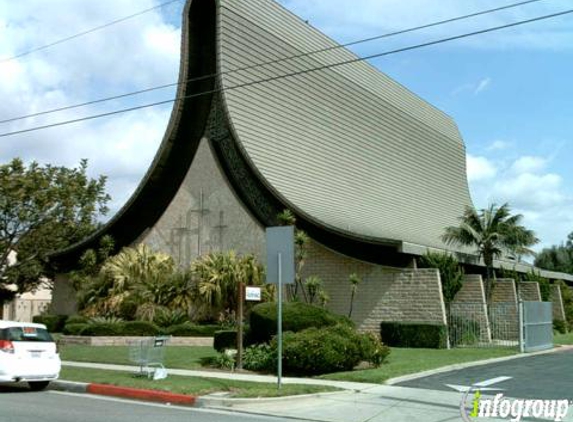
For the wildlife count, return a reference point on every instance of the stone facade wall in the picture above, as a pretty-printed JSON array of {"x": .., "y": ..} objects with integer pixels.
[
  {"x": 205, "y": 216},
  {"x": 27, "y": 305},
  {"x": 64, "y": 300},
  {"x": 385, "y": 294},
  {"x": 503, "y": 312},
  {"x": 470, "y": 304},
  {"x": 529, "y": 291},
  {"x": 557, "y": 300}
]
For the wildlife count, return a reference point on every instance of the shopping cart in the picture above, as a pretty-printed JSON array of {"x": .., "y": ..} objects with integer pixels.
[{"x": 149, "y": 354}]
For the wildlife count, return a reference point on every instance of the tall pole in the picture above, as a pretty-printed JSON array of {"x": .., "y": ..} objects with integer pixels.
[
  {"x": 280, "y": 324},
  {"x": 240, "y": 313}
]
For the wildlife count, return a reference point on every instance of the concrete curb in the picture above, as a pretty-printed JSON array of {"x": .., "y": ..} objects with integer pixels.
[
  {"x": 125, "y": 392},
  {"x": 458, "y": 366},
  {"x": 215, "y": 402}
]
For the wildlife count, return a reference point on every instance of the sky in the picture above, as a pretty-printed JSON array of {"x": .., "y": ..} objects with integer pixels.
[{"x": 510, "y": 92}]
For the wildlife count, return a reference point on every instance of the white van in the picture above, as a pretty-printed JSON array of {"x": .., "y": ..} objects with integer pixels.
[{"x": 28, "y": 353}]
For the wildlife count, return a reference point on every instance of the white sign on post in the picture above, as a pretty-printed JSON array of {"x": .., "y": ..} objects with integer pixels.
[{"x": 253, "y": 294}]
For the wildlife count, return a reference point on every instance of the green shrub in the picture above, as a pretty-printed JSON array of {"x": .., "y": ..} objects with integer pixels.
[
  {"x": 463, "y": 331},
  {"x": 560, "y": 326},
  {"x": 139, "y": 328},
  {"x": 373, "y": 350},
  {"x": 317, "y": 351},
  {"x": 224, "y": 360},
  {"x": 102, "y": 329},
  {"x": 170, "y": 317},
  {"x": 411, "y": 334},
  {"x": 77, "y": 319},
  {"x": 73, "y": 329},
  {"x": 260, "y": 358},
  {"x": 188, "y": 329},
  {"x": 54, "y": 323},
  {"x": 225, "y": 339},
  {"x": 297, "y": 316}
]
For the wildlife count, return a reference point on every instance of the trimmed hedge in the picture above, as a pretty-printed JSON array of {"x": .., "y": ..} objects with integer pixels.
[
  {"x": 297, "y": 316},
  {"x": 102, "y": 329},
  {"x": 411, "y": 334},
  {"x": 139, "y": 328},
  {"x": 192, "y": 330},
  {"x": 225, "y": 339},
  {"x": 560, "y": 326},
  {"x": 74, "y": 329},
  {"x": 318, "y": 351},
  {"x": 54, "y": 323},
  {"x": 77, "y": 319}
]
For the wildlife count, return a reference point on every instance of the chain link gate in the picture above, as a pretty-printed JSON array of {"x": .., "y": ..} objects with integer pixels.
[{"x": 536, "y": 322}]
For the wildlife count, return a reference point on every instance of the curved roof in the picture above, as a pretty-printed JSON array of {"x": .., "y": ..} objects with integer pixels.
[
  {"x": 362, "y": 161},
  {"x": 346, "y": 147}
]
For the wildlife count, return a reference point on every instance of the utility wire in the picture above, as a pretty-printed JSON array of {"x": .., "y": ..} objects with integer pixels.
[
  {"x": 81, "y": 34},
  {"x": 196, "y": 79},
  {"x": 298, "y": 73}
]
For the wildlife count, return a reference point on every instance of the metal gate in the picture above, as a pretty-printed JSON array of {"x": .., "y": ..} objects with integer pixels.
[{"x": 536, "y": 326}]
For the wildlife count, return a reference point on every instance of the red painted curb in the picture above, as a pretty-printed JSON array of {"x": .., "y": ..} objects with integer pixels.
[{"x": 135, "y": 393}]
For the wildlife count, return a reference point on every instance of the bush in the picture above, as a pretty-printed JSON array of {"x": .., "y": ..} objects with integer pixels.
[
  {"x": 102, "y": 329},
  {"x": 296, "y": 317},
  {"x": 74, "y": 329},
  {"x": 411, "y": 334},
  {"x": 77, "y": 319},
  {"x": 260, "y": 358},
  {"x": 317, "y": 351},
  {"x": 170, "y": 317},
  {"x": 560, "y": 326},
  {"x": 225, "y": 339},
  {"x": 54, "y": 323},
  {"x": 139, "y": 328},
  {"x": 463, "y": 331},
  {"x": 192, "y": 330}
]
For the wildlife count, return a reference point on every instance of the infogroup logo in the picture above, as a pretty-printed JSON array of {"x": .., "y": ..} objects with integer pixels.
[{"x": 513, "y": 409}]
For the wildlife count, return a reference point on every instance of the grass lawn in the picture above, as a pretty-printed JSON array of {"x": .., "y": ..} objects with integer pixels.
[
  {"x": 563, "y": 339},
  {"x": 409, "y": 361},
  {"x": 189, "y": 385},
  {"x": 176, "y": 357}
]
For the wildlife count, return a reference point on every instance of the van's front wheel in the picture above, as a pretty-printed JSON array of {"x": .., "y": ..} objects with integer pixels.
[{"x": 38, "y": 385}]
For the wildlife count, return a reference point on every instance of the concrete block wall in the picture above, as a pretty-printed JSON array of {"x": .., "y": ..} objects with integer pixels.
[
  {"x": 503, "y": 312},
  {"x": 529, "y": 291},
  {"x": 385, "y": 294},
  {"x": 470, "y": 303},
  {"x": 557, "y": 300}
]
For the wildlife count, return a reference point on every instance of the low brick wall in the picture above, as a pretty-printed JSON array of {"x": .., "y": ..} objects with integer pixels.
[
  {"x": 385, "y": 294},
  {"x": 470, "y": 304},
  {"x": 557, "y": 299},
  {"x": 529, "y": 291},
  {"x": 125, "y": 341}
]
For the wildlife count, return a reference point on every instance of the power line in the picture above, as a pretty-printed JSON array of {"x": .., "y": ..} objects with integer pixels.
[
  {"x": 81, "y": 34},
  {"x": 298, "y": 73},
  {"x": 196, "y": 79}
]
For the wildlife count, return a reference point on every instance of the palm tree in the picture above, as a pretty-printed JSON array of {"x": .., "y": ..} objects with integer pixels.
[{"x": 495, "y": 233}]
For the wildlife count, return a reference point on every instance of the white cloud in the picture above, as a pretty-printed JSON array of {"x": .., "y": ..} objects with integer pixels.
[
  {"x": 482, "y": 86},
  {"x": 529, "y": 164},
  {"x": 499, "y": 145},
  {"x": 135, "y": 54},
  {"x": 480, "y": 168}
]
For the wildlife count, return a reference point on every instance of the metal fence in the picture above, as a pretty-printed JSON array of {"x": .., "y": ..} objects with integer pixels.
[
  {"x": 537, "y": 323},
  {"x": 478, "y": 325}
]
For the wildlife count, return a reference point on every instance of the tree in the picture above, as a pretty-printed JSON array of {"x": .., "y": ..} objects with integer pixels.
[
  {"x": 43, "y": 209},
  {"x": 451, "y": 273},
  {"x": 354, "y": 280},
  {"x": 557, "y": 258},
  {"x": 494, "y": 233}
]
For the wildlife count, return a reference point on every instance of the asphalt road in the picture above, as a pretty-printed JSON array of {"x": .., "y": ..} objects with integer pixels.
[
  {"x": 20, "y": 405},
  {"x": 547, "y": 376}
]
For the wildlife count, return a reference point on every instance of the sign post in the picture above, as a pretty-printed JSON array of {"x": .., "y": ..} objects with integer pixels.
[
  {"x": 240, "y": 327},
  {"x": 280, "y": 271}
]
